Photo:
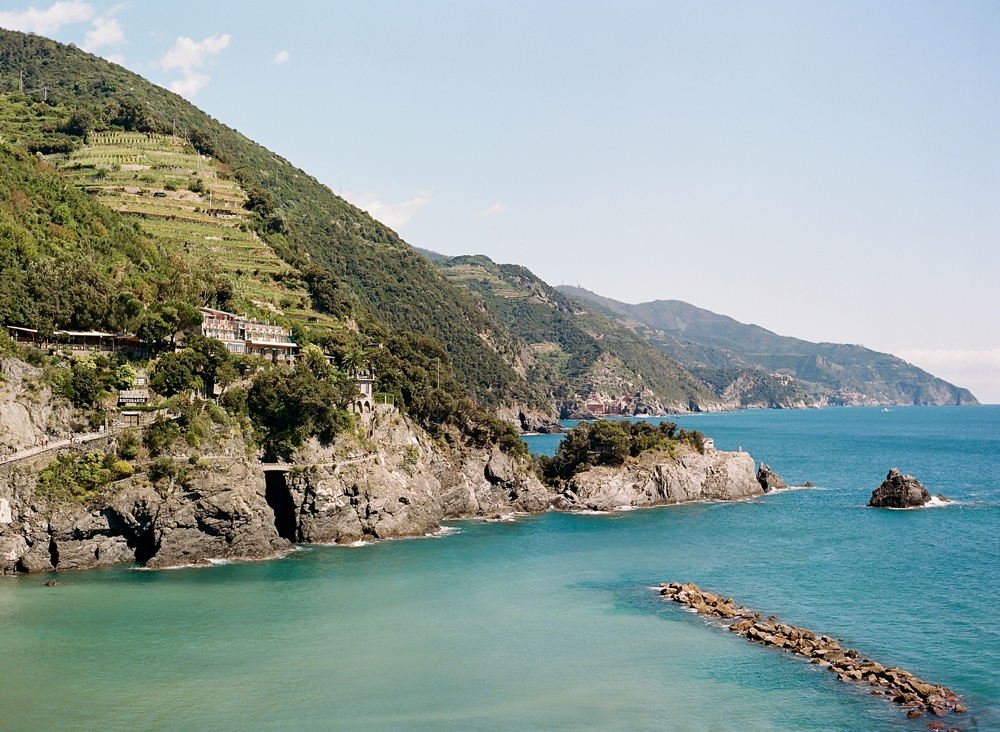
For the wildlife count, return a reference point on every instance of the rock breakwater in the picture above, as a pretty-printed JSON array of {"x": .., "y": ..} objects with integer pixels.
[{"x": 898, "y": 685}]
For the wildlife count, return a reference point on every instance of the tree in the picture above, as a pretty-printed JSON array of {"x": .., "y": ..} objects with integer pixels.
[
  {"x": 125, "y": 311},
  {"x": 313, "y": 358},
  {"x": 155, "y": 327},
  {"x": 188, "y": 318},
  {"x": 80, "y": 123},
  {"x": 288, "y": 407},
  {"x": 173, "y": 374},
  {"x": 209, "y": 357},
  {"x": 87, "y": 385}
]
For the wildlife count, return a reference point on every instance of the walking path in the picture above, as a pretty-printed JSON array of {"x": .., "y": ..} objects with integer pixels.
[
  {"x": 269, "y": 467},
  {"x": 77, "y": 440}
]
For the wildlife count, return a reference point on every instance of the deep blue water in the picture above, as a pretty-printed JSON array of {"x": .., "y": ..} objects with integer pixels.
[{"x": 548, "y": 623}]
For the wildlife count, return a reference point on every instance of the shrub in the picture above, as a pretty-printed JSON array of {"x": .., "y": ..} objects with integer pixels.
[
  {"x": 234, "y": 401},
  {"x": 128, "y": 446},
  {"x": 121, "y": 469},
  {"x": 77, "y": 477},
  {"x": 612, "y": 443},
  {"x": 160, "y": 435},
  {"x": 163, "y": 468},
  {"x": 86, "y": 385}
]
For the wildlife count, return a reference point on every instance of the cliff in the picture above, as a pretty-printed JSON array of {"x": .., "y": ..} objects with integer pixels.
[
  {"x": 388, "y": 479},
  {"x": 657, "y": 479},
  {"x": 405, "y": 484},
  {"x": 99, "y": 498}
]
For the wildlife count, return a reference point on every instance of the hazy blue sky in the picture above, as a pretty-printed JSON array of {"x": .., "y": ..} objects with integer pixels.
[{"x": 826, "y": 170}]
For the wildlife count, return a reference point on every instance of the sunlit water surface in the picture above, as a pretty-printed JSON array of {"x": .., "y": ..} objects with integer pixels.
[{"x": 548, "y": 623}]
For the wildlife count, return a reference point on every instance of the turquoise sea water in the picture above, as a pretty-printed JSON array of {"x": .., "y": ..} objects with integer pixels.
[{"x": 547, "y": 623}]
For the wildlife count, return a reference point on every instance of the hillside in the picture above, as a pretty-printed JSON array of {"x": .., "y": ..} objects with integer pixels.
[
  {"x": 830, "y": 373},
  {"x": 584, "y": 361},
  {"x": 292, "y": 248}
]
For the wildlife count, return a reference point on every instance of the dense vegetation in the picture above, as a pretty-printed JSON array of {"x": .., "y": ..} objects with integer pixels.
[
  {"x": 606, "y": 442},
  {"x": 577, "y": 351},
  {"x": 68, "y": 262},
  {"x": 354, "y": 265}
]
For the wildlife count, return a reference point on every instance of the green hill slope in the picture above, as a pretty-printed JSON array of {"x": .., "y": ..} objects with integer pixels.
[
  {"x": 352, "y": 268},
  {"x": 830, "y": 373},
  {"x": 575, "y": 355}
]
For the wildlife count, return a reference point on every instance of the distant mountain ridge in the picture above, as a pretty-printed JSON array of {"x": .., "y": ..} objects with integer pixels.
[
  {"x": 833, "y": 374},
  {"x": 585, "y": 361}
]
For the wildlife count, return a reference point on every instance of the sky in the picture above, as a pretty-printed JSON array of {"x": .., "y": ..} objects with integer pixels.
[{"x": 829, "y": 171}]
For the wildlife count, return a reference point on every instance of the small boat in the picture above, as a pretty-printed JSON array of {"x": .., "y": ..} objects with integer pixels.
[{"x": 885, "y": 409}]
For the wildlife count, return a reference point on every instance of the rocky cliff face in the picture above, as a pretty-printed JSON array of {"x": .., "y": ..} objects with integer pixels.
[
  {"x": 388, "y": 480},
  {"x": 405, "y": 487},
  {"x": 28, "y": 411},
  {"x": 658, "y": 479},
  {"x": 217, "y": 512}
]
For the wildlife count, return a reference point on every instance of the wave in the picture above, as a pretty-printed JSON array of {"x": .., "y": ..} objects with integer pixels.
[
  {"x": 935, "y": 502},
  {"x": 790, "y": 488}
]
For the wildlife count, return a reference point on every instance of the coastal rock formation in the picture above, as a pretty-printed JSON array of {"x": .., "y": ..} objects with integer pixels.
[
  {"x": 898, "y": 685},
  {"x": 899, "y": 491},
  {"x": 28, "y": 413},
  {"x": 768, "y": 479},
  {"x": 217, "y": 512},
  {"x": 405, "y": 488},
  {"x": 387, "y": 478},
  {"x": 656, "y": 480}
]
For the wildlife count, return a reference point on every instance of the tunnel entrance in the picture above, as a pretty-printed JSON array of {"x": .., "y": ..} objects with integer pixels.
[{"x": 279, "y": 498}]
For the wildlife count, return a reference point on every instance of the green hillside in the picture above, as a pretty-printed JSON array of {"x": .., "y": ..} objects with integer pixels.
[
  {"x": 573, "y": 354},
  {"x": 298, "y": 243},
  {"x": 830, "y": 373}
]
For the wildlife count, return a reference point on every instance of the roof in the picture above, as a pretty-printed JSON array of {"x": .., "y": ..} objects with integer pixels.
[{"x": 213, "y": 311}]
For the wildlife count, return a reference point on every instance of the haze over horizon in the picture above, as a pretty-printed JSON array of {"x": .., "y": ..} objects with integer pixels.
[{"x": 826, "y": 173}]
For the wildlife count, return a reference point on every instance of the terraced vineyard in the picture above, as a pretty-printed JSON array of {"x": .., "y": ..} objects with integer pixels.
[{"x": 191, "y": 202}]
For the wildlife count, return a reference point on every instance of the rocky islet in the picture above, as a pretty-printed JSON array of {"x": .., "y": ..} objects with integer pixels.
[
  {"x": 898, "y": 685},
  {"x": 901, "y": 491}
]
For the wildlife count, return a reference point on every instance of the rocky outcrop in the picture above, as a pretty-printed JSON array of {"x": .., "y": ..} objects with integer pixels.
[
  {"x": 406, "y": 487},
  {"x": 217, "y": 512},
  {"x": 387, "y": 478},
  {"x": 895, "y": 684},
  {"x": 899, "y": 491},
  {"x": 28, "y": 410},
  {"x": 768, "y": 479},
  {"x": 527, "y": 420},
  {"x": 658, "y": 479}
]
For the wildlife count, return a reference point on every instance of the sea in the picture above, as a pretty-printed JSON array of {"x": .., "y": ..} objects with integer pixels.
[{"x": 551, "y": 622}]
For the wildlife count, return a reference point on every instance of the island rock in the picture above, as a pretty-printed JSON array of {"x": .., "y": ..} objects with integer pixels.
[{"x": 899, "y": 491}]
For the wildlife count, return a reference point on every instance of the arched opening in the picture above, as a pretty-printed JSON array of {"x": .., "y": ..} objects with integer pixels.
[{"x": 279, "y": 498}]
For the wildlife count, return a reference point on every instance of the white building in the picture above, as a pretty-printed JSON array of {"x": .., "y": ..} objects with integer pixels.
[{"x": 248, "y": 335}]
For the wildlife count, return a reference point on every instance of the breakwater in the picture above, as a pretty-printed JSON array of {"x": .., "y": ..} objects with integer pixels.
[{"x": 897, "y": 685}]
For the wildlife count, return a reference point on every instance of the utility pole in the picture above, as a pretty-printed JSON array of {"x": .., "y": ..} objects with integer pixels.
[
  {"x": 438, "y": 359},
  {"x": 20, "y": 83}
]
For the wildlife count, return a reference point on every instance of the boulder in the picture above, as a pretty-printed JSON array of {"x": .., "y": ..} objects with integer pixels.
[
  {"x": 899, "y": 491},
  {"x": 768, "y": 479}
]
